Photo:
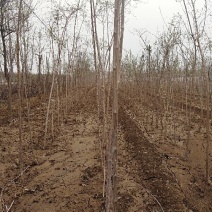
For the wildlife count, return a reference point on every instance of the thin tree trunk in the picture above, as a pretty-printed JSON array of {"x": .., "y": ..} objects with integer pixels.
[
  {"x": 48, "y": 111},
  {"x": 207, "y": 89},
  {"x": 19, "y": 87},
  {"x": 111, "y": 191},
  {"x": 6, "y": 72}
]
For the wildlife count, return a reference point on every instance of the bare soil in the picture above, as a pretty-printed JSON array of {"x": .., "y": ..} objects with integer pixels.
[
  {"x": 167, "y": 149},
  {"x": 67, "y": 176}
]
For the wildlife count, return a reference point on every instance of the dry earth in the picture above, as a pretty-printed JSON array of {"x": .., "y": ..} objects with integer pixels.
[
  {"x": 68, "y": 176},
  {"x": 170, "y": 144}
]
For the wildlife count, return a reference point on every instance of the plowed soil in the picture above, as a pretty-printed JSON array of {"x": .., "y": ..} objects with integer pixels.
[{"x": 68, "y": 174}]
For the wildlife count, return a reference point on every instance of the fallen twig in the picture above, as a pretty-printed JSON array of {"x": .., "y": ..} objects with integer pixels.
[
  {"x": 4, "y": 207},
  {"x": 155, "y": 200},
  {"x": 8, "y": 209},
  {"x": 13, "y": 180}
]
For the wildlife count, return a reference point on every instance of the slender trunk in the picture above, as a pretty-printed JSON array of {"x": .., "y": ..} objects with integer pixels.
[
  {"x": 39, "y": 82},
  {"x": 207, "y": 89},
  {"x": 98, "y": 68},
  {"x": 48, "y": 111},
  {"x": 19, "y": 86},
  {"x": 6, "y": 72},
  {"x": 111, "y": 192}
]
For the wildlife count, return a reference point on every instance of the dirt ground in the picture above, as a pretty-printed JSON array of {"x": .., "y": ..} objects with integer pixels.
[
  {"x": 67, "y": 176},
  {"x": 170, "y": 143}
]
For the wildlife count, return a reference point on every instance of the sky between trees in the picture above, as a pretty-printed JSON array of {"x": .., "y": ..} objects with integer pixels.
[{"x": 149, "y": 16}]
